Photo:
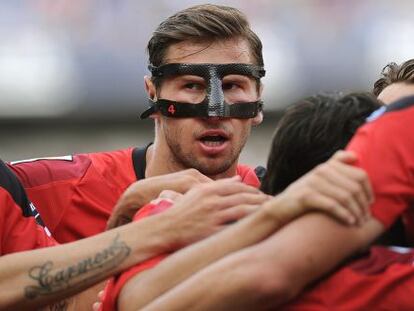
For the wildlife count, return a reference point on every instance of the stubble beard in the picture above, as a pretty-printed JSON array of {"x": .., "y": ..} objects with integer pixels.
[{"x": 209, "y": 168}]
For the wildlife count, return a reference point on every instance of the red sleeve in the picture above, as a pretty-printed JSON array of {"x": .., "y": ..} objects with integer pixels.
[
  {"x": 76, "y": 194},
  {"x": 382, "y": 280},
  {"x": 50, "y": 184},
  {"x": 385, "y": 151},
  {"x": 19, "y": 233}
]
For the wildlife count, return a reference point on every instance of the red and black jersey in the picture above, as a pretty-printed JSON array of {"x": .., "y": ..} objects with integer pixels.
[
  {"x": 21, "y": 227},
  {"x": 382, "y": 280},
  {"x": 385, "y": 150},
  {"x": 76, "y": 194}
]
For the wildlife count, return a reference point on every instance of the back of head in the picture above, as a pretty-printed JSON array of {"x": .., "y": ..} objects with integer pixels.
[
  {"x": 394, "y": 73},
  {"x": 310, "y": 132},
  {"x": 203, "y": 23}
]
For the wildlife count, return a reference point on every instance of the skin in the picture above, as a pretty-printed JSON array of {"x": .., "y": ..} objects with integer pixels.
[
  {"x": 395, "y": 92},
  {"x": 176, "y": 145},
  {"x": 270, "y": 273},
  {"x": 23, "y": 274},
  {"x": 315, "y": 191},
  {"x": 128, "y": 245},
  {"x": 176, "y": 148}
]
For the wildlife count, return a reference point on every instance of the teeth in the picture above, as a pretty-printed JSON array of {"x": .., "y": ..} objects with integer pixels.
[{"x": 212, "y": 143}]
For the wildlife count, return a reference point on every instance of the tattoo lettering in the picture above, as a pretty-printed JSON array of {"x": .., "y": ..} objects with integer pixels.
[{"x": 49, "y": 280}]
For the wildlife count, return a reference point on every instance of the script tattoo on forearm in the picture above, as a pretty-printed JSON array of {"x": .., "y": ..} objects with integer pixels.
[{"x": 50, "y": 280}]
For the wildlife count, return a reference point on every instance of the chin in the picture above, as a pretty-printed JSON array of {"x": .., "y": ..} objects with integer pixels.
[{"x": 214, "y": 167}]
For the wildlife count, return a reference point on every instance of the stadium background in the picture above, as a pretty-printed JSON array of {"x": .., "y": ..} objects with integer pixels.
[{"x": 71, "y": 72}]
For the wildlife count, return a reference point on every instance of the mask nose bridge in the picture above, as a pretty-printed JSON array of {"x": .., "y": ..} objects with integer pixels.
[{"x": 215, "y": 95}]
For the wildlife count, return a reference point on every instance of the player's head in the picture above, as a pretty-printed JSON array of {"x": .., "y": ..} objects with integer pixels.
[
  {"x": 396, "y": 81},
  {"x": 310, "y": 132},
  {"x": 205, "y": 88}
]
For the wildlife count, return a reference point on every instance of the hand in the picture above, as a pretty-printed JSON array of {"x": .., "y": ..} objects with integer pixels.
[
  {"x": 335, "y": 187},
  {"x": 143, "y": 191},
  {"x": 210, "y": 207}
]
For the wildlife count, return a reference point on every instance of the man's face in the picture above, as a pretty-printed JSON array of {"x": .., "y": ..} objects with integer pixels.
[
  {"x": 211, "y": 145},
  {"x": 396, "y": 91}
]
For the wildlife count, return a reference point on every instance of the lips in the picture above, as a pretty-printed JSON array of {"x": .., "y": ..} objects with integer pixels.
[{"x": 213, "y": 142}]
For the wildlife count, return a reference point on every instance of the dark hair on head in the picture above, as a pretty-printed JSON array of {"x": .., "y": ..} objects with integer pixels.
[
  {"x": 310, "y": 132},
  {"x": 393, "y": 73},
  {"x": 202, "y": 23}
]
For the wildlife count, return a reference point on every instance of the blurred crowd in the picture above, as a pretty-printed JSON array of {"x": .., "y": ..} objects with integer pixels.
[{"x": 63, "y": 58}]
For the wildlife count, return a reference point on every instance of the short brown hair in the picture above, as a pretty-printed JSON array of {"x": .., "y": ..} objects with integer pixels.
[
  {"x": 393, "y": 73},
  {"x": 205, "y": 23}
]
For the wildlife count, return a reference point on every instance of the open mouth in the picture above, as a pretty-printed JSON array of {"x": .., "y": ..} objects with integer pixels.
[{"x": 213, "y": 140}]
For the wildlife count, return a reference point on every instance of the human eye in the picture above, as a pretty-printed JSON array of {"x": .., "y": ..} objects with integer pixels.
[
  {"x": 194, "y": 86},
  {"x": 230, "y": 86}
]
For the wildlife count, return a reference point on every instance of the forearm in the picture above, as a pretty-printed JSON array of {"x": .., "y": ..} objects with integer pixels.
[
  {"x": 233, "y": 283},
  {"x": 149, "y": 285},
  {"x": 41, "y": 277},
  {"x": 273, "y": 271}
]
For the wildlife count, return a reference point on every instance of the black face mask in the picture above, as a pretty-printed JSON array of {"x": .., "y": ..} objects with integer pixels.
[{"x": 214, "y": 104}]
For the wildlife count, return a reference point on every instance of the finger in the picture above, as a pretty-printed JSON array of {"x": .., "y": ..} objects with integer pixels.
[
  {"x": 331, "y": 207},
  {"x": 350, "y": 158},
  {"x": 229, "y": 186},
  {"x": 248, "y": 198},
  {"x": 357, "y": 175},
  {"x": 96, "y": 306},
  {"x": 117, "y": 221},
  {"x": 101, "y": 295},
  {"x": 236, "y": 213},
  {"x": 170, "y": 195},
  {"x": 351, "y": 185},
  {"x": 340, "y": 195},
  {"x": 195, "y": 173}
]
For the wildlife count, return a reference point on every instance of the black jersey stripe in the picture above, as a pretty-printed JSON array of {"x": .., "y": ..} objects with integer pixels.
[
  {"x": 139, "y": 161},
  {"x": 403, "y": 103},
  {"x": 11, "y": 184}
]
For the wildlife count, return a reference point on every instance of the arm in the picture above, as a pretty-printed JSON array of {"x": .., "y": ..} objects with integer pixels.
[
  {"x": 311, "y": 192},
  {"x": 39, "y": 277},
  {"x": 276, "y": 270},
  {"x": 145, "y": 287},
  {"x": 143, "y": 191},
  {"x": 269, "y": 274}
]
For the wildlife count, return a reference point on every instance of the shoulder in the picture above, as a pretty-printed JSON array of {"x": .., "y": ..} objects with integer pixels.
[{"x": 41, "y": 171}]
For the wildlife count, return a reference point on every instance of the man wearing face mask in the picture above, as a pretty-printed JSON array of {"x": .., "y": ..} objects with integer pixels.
[{"x": 206, "y": 64}]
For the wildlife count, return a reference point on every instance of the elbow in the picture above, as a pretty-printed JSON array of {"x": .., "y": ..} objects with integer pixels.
[
  {"x": 278, "y": 291},
  {"x": 268, "y": 286},
  {"x": 274, "y": 290}
]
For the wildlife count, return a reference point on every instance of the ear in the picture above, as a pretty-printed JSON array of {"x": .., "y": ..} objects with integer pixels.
[
  {"x": 258, "y": 119},
  {"x": 150, "y": 87}
]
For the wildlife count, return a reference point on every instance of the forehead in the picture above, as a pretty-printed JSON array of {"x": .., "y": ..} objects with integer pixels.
[
  {"x": 396, "y": 91},
  {"x": 217, "y": 52}
]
